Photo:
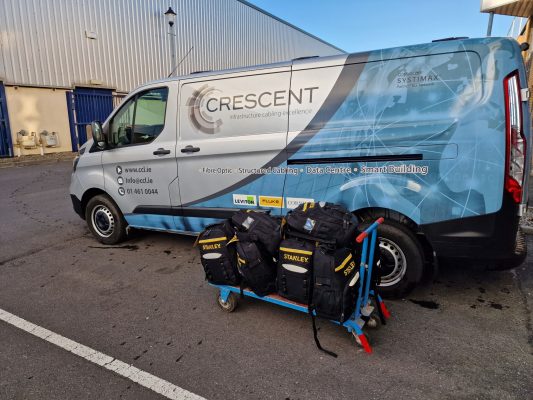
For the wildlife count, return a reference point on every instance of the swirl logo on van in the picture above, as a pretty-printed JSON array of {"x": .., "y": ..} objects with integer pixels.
[{"x": 201, "y": 119}]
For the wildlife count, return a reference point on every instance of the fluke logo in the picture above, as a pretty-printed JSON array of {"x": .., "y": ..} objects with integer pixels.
[
  {"x": 200, "y": 119},
  {"x": 269, "y": 201}
]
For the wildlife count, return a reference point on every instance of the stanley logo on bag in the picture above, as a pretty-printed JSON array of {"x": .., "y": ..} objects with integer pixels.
[
  {"x": 301, "y": 256},
  {"x": 214, "y": 246},
  {"x": 211, "y": 244},
  {"x": 348, "y": 265},
  {"x": 350, "y": 268},
  {"x": 293, "y": 257}
]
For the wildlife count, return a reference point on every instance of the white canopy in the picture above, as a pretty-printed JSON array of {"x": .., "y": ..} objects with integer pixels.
[{"x": 518, "y": 8}]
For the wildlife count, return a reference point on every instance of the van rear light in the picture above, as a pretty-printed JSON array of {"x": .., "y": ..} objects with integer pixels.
[{"x": 515, "y": 142}]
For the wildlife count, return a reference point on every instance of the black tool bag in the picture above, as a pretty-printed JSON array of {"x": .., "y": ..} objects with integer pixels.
[
  {"x": 324, "y": 222},
  {"x": 217, "y": 257},
  {"x": 261, "y": 227},
  {"x": 335, "y": 283},
  {"x": 256, "y": 266},
  {"x": 295, "y": 267}
]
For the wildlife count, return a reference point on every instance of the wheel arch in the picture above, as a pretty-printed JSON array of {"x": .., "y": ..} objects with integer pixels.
[
  {"x": 372, "y": 213},
  {"x": 88, "y": 195}
]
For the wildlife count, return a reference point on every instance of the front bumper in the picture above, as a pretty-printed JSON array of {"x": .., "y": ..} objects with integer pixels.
[{"x": 76, "y": 204}]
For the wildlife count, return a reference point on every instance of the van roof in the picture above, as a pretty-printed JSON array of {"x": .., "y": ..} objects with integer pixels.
[{"x": 442, "y": 46}]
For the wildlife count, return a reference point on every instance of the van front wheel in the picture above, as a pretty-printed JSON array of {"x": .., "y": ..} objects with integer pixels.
[
  {"x": 402, "y": 259},
  {"x": 105, "y": 220}
]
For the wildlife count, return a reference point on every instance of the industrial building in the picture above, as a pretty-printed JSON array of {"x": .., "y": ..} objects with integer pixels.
[
  {"x": 522, "y": 10},
  {"x": 65, "y": 63}
]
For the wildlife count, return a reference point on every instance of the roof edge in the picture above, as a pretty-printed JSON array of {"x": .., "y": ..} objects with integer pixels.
[{"x": 247, "y": 3}]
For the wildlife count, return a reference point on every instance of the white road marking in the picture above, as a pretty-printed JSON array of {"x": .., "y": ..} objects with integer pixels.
[{"x": 128, "y": 371}]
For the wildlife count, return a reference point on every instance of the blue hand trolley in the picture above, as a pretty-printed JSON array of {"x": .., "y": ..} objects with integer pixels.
[{"x": 365, "y": 312}]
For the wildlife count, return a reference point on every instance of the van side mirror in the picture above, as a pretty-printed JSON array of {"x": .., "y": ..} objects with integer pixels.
[{"x": 98, "y": 134}]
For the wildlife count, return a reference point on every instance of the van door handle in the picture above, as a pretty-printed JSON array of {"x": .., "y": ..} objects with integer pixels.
[
  {"x": 161, "y": 152},
  {"x": 190, "y": 149}
]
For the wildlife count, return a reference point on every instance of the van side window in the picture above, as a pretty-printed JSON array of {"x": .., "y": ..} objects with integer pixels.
[
  {"x": 141, "y": 119},
  {"x": 122, "y": 124},
  {"x": 150, "y": 115}
]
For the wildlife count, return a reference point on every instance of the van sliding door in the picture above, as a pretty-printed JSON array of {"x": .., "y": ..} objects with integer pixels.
[{"x": 232, "y": 136}]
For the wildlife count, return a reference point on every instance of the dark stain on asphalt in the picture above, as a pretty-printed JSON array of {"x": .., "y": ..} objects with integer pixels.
[
  {"x": 130, "y": 247},
  {"x": 167, "y": 270},
  {"x": 167, "y": 252},
  {"x": 426, "y": 304},
  {"x": 140, "y": 355},
  {"x": 199, "y": 343},
  {"x": 179, "y": 358},
  {"x": 497, "y": 306},
  {"x": 480, "y": 300}
]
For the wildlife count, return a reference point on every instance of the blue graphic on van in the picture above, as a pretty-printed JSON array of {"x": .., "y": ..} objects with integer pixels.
[{"x": 431, "y": 125}]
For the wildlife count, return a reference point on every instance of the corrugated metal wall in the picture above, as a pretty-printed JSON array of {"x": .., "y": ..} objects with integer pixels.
[{"x": 43, "y": 42}]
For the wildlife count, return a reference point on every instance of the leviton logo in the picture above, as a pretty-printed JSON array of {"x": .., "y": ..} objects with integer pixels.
[{"x": 244, "y": 200}]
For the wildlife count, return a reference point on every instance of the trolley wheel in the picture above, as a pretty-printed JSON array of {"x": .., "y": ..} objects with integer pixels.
[
  {"x": 357, "y": 340},
  {"x": 374, "y": 322},
  {"x": 229, "y": 305}
]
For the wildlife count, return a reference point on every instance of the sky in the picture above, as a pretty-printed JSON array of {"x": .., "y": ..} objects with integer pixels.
[{"x": 359, "y": 25}]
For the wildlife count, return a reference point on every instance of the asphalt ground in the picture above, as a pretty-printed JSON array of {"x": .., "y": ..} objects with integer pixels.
[{"x": 468, "y": 335}]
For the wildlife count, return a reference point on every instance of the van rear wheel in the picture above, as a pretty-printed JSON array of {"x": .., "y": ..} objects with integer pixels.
[
  {"x": 402, "y": 259},
  {"x": 105, "y": 220}
]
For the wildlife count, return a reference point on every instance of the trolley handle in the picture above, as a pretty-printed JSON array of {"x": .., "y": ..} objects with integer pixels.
[{"x": 369, "y": 230}]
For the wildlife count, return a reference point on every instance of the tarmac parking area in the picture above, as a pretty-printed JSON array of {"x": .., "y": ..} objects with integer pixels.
[{"x": 145, "y": 302}]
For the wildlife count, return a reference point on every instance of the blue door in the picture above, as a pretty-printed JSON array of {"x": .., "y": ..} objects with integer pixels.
[
  {"x": 90, "y": 105},
  {"x": 6, "y": 146}
]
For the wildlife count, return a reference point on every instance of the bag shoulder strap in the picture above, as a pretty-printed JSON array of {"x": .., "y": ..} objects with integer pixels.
[{"x": 315, "y": 333}]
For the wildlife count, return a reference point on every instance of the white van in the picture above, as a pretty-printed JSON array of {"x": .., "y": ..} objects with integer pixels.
[{"x": 433, "y": 137}]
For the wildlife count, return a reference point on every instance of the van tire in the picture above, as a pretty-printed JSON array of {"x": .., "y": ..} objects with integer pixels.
[
  {"x": 402, "y": 259},
  {"x": 105, "y": 220}
]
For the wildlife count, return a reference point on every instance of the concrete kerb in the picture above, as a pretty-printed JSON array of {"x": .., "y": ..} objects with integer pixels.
[{"x": 36, "y": 160}]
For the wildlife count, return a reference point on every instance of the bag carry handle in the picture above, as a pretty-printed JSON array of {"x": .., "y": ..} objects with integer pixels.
[{"x": 369, "y": 230}]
